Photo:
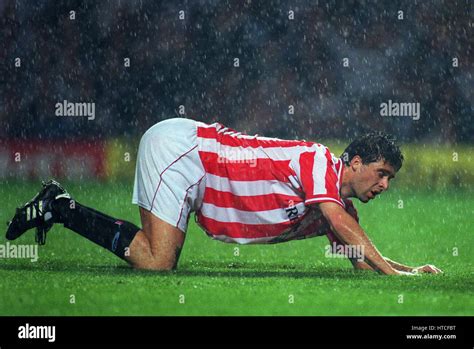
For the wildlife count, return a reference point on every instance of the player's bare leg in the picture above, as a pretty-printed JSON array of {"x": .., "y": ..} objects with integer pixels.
[{"x": 157, "y": 245}]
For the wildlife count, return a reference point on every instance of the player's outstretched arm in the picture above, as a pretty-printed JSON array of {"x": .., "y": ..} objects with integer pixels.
[
  {"x": 350, "y": 232},
  {"x": 428, "y": 268}
]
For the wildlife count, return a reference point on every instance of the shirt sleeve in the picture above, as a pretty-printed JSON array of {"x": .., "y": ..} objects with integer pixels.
[{"x": 319, "y": 177}]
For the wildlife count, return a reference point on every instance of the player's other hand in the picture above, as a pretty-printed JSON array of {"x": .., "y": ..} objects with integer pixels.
[
  {"x": 428, "y": 268},
  {"x": 406, "y": 273}
]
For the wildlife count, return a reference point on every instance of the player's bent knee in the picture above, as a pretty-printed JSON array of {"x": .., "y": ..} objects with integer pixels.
[
  {"x": 163, "y": 241},
  {"x": 143, "y": 256},
  {"x": 154, "y": 265}
]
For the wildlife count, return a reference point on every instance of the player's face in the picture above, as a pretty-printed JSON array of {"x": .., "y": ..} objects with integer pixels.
[{"x": 372, "y": 179}]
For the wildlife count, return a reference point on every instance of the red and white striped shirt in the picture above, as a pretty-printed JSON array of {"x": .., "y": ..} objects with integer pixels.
[{"x": 260, "y": 190}]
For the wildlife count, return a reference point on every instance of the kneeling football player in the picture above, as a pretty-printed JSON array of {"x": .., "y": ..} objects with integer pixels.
[{"x": 243, "y": 189}]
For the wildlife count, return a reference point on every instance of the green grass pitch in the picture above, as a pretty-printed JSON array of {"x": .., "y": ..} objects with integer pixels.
[{"x": 287, "y": 279}]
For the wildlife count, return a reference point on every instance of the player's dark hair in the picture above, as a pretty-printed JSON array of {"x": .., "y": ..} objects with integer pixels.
[{"x": 373, "y": 147}]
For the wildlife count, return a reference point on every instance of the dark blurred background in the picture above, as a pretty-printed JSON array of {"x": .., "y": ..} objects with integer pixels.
[{"x": 283, "y": 62}]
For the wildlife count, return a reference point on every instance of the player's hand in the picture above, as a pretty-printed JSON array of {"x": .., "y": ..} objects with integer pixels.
[
  {"x": 428, "y": 268},
  {"x": 406, "y": 273}
]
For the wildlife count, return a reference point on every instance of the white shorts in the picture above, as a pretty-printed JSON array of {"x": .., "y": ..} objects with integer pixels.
[{"x": 169, "y": 177}]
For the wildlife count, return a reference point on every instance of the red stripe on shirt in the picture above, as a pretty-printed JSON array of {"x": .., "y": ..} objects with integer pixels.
[
  {"x": 243, "y": 231},
  {"x": 253, "y": 203},
  {"x": 248, "y": 170},
  {"x": 306, "y": 168},
  {"x": 331, "y": 176},
  {"x": 234, "y": 140},
  {"x": 340, "y": 170}
]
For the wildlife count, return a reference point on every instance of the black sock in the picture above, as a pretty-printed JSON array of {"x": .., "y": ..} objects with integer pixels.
[{"x": 108, "y": 232}]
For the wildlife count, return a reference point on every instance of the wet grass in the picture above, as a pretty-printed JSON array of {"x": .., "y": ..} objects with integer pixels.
[{"x": 75, "y": 277}]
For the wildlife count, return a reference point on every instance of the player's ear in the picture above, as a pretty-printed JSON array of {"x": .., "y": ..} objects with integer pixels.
[{"x": 356, "y": 163}]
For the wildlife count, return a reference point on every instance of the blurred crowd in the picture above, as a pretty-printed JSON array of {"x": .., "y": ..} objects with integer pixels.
[{"x": 275, "y": 68}]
